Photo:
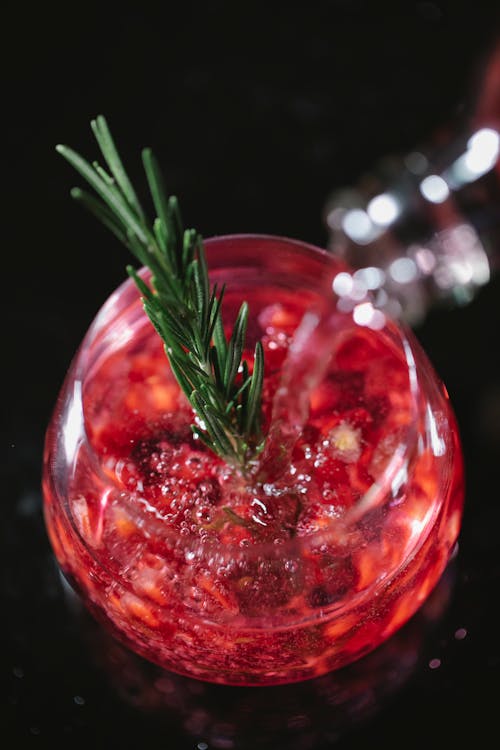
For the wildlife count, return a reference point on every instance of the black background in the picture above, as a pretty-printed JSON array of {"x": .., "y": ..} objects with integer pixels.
[{"x": 257, "y": 114}]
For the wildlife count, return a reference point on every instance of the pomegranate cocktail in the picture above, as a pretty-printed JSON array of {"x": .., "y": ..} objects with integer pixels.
[{"x": 291, "y": 552}]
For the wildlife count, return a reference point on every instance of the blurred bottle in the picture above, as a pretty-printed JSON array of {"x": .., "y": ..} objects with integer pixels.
[{"x": 425, "y": 228}]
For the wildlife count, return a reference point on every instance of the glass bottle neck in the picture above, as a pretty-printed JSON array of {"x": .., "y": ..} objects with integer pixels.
[{"x": 425, "y": 228}]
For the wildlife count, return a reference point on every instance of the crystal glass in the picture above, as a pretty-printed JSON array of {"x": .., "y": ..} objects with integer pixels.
[{"x": 308, "y": 560}]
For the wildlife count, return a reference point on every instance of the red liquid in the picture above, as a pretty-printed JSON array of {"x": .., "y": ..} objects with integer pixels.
[{"x": 281, "y": 575}]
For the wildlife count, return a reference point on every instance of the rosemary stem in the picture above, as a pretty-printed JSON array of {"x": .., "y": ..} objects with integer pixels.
[{"x": 182, "y": 306}]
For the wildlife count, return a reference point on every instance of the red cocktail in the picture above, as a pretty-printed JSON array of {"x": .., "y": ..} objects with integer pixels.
[{"x": 304, "y": 563}]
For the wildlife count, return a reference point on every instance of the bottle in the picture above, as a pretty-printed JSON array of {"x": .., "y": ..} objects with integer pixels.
[{"x": 425, "y": 228}]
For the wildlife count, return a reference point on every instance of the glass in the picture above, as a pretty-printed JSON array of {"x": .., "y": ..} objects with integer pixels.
[{"x": 303, "y": 565}]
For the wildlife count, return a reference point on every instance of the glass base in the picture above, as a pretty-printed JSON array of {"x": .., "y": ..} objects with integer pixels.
[{"x": 299, "y": 716}]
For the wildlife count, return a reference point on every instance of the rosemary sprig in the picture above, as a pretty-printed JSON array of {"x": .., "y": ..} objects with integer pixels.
[{"x": 182, "y": 306}]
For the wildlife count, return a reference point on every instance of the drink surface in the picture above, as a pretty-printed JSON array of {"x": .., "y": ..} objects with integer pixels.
[{"x": 265, "y": 577}]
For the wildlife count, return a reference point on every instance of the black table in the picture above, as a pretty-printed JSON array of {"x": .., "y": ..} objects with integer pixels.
[{"x": 257, "y": 116}]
